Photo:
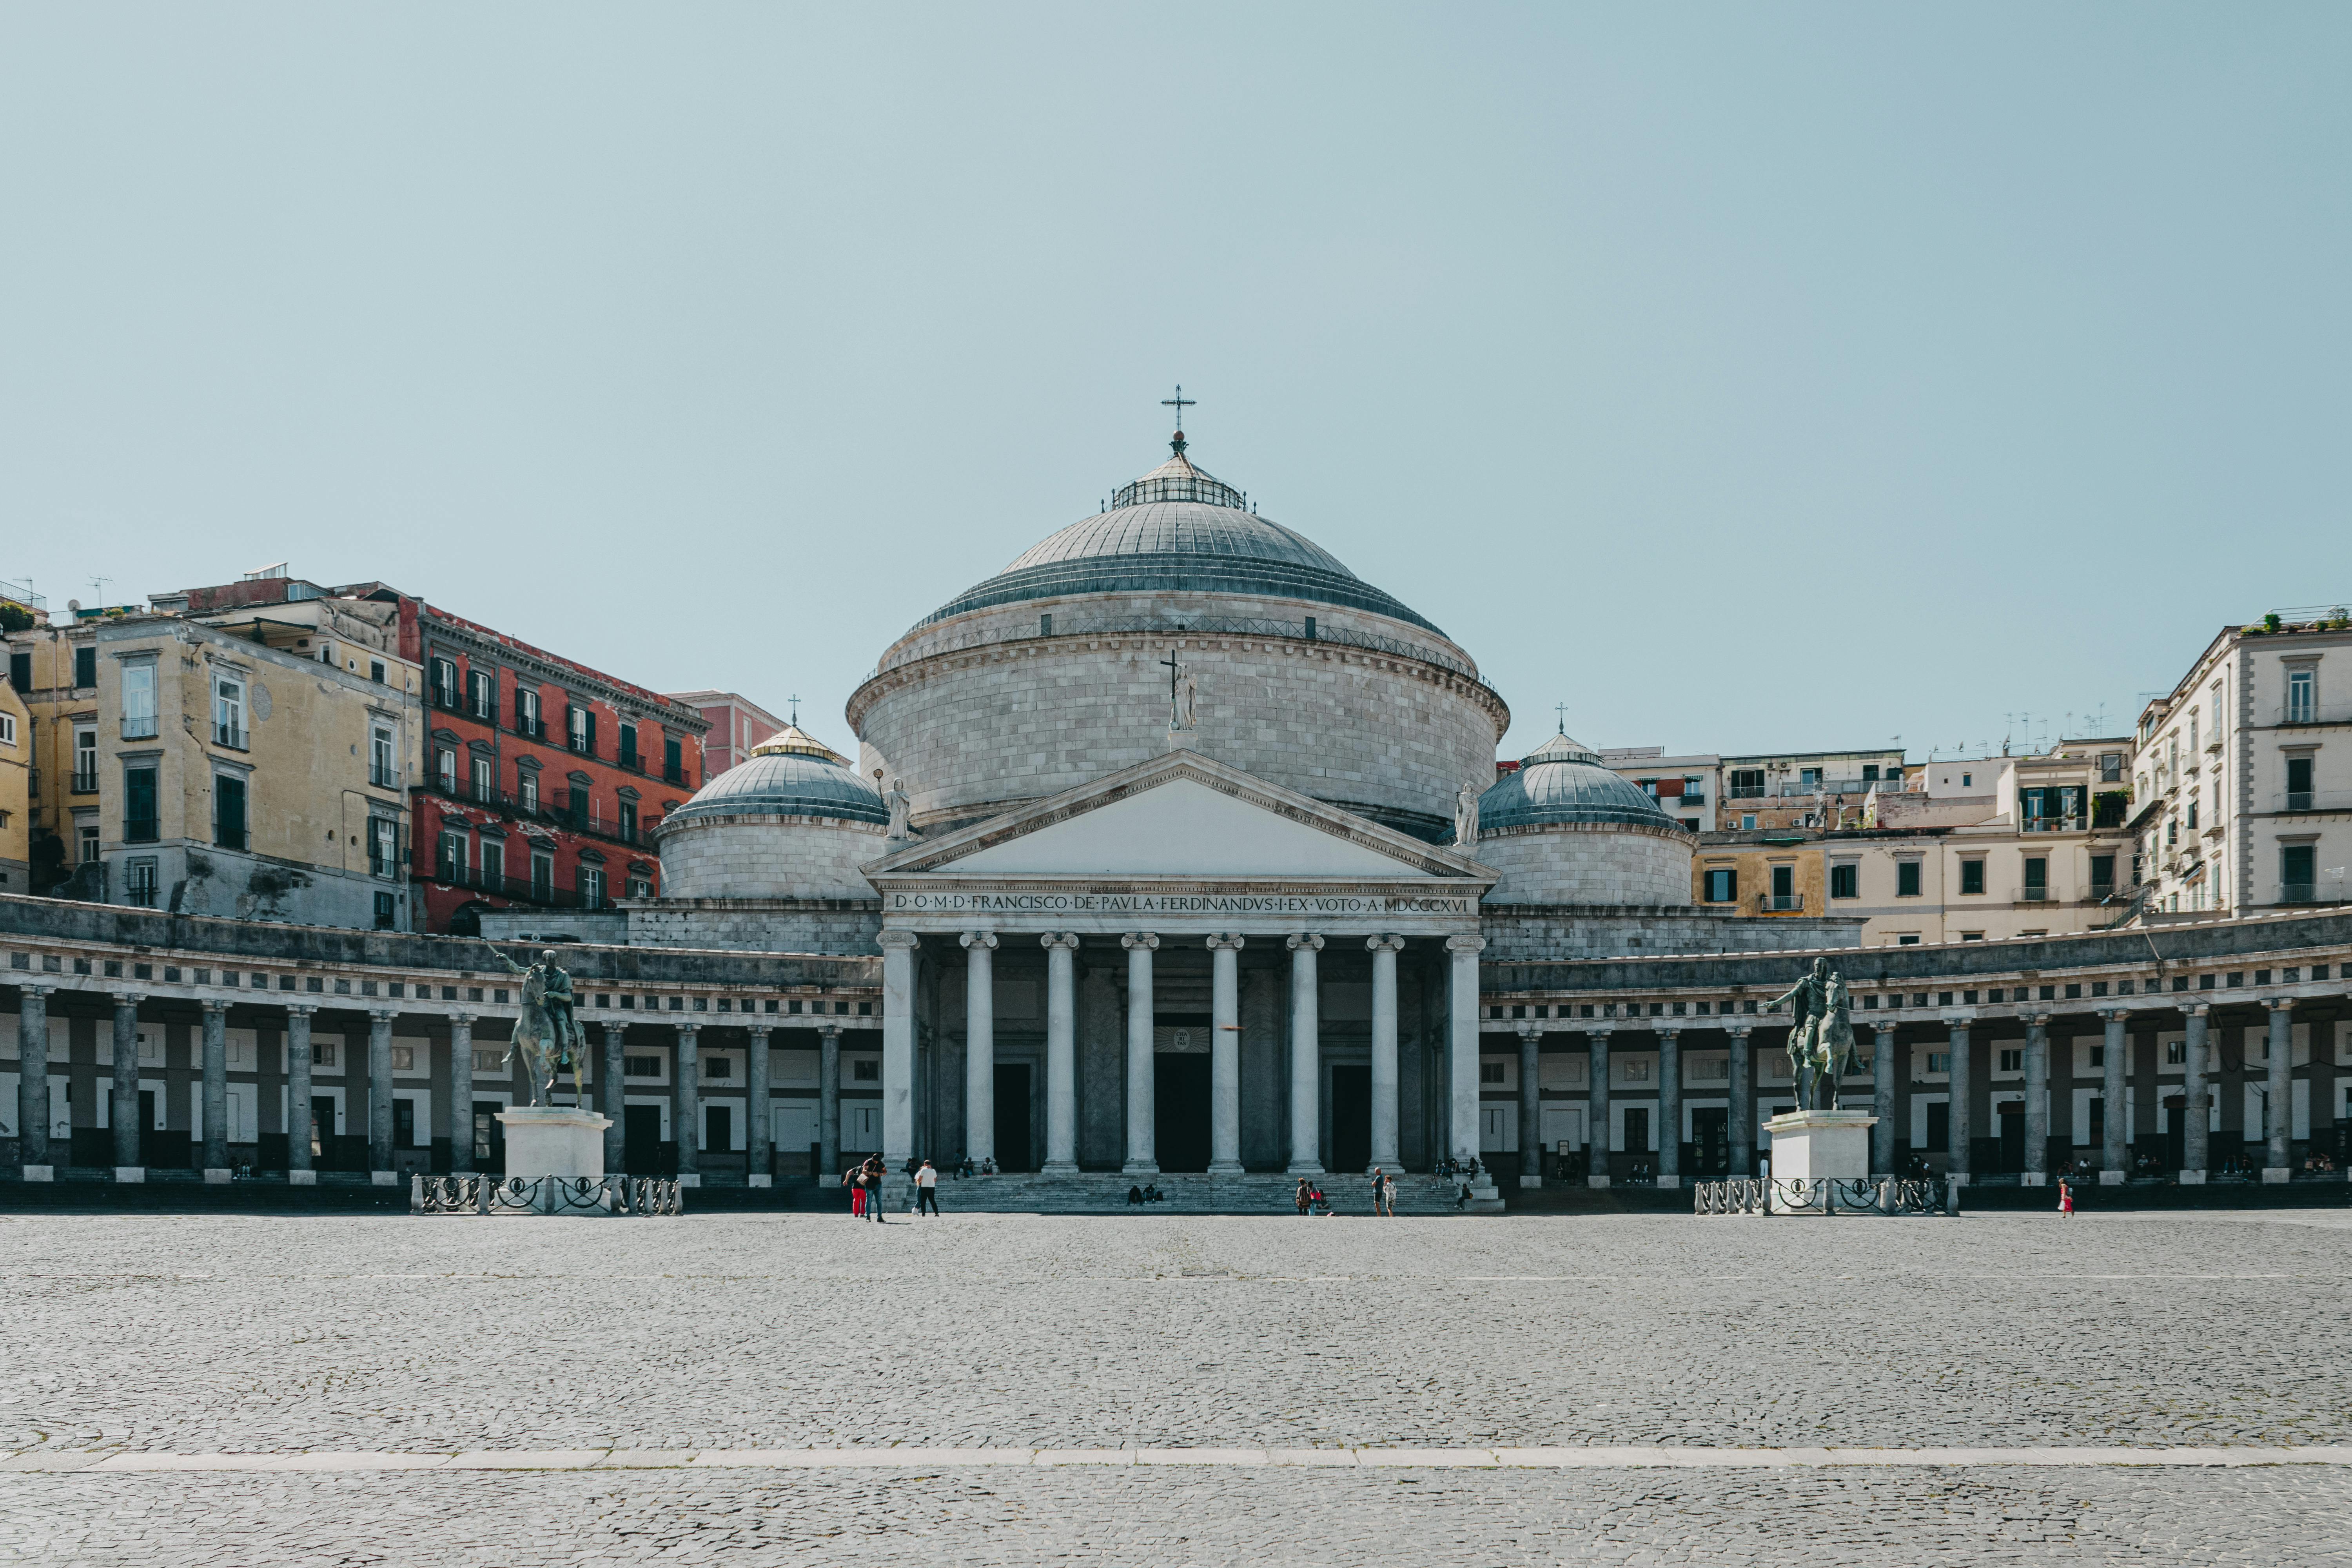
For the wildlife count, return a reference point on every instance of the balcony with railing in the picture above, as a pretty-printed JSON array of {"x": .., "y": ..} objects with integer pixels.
[
  {"x": 141, "y": 829},
  {"x": 384, "y": 778},
  {"x": 2294, "y": 715},
  {"x": 530, "y": 729},
  {"x": 2299, "y": 800},
  {"x": 2299, "y": 892},
  {"x": 230, "y": 835},
  {"x": 676, "y": 776},
  {"x": 1746, "y": 792},
  {"x": 2035, "y": 893},
  {"x": 526, "y": 890},
  {"x": 593, "y": 821},
  {"x": 2101, "y": 891},
  {"x": 85, "y": 781},
  {"x": 234, "y": 736},
  {"x": 1780, "y": 903},
  {"x": 2055, "y": 824},
  {"x": 138, "y": 726}
]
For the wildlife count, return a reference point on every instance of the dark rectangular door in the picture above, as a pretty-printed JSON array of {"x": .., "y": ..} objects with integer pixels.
[
  {"x": 1352, "y": 1118},
  {"x": 323, "y": 1123},
  {"x": 718, "y": 1129},
  {"x": 2175, "y": 1126},
  {"x": 1939, "y": 1129},
  {"x": 148, "y": 1154},
  {"x": 1179, "y": 1081},
  {"x": 2012, "y": 1136},
  {"x": 403, "y": 1124},
  {"x": 1013, "y": 1150},
  {"x": 641, "y": 1139},
  {"x": 1710, "y": 1141},
  {"x": 1637, "y": 1136}
]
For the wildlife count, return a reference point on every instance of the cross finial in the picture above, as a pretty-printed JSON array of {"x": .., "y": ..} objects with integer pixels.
[
  {"x": 795, "y": 701},
  {"x": 1563, "y": 717},
  {"x": 1180, "y": 403}
]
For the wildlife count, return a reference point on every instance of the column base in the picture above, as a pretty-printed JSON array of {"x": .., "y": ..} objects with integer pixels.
[
  {"x": 1139, "y": 1168},
  {"x": 1218, "y": 1167},
  {"x": 1669, "y": 1182},
  {"x": 2277, "y": 1175},
  {"x": 1305, "y": 1168},
  {"x": 690, "y": 1178},
  {"x": 2113, "y": 1178},
  {"x": 1070, "y": 1168},
  {"x": 384, "y": 1178},
  {"x": 757, "y": 1180},
  {"x": 2192, "y": 1178},
  {"x": 301, "y": 1178},
  {"x": 38, "y": 1172},
  {"x": 1956, "y": 1178},
  {"x": 2034, "y": 1179},
  {"x": 1530, "y": 1183},
  {"x": 129, "y": 1173},
  {"x": 1596, "y": 1182},
  {"x": 215, "y": 1175}
]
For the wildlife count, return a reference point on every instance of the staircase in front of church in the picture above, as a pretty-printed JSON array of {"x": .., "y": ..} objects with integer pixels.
[{"x": 1256, "y": 1192}]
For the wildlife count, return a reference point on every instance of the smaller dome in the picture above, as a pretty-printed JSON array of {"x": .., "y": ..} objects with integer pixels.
[
  {"x": 789, "y": 775},
  {"x": 1562, "y": 781}
]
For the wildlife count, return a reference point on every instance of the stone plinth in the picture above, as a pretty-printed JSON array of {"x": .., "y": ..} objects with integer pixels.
[
  {"x": 1817, "y": 1146},
  {"x": 555, "y": 1140}
]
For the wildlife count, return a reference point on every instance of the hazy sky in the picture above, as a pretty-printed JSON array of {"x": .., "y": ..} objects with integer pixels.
[{"x": 1745, "y": 378}]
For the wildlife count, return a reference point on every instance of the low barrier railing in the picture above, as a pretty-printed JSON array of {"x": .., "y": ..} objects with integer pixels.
[
  {"x": 641, "y": 1195},
  {"x": 1819, "y": 1195}
]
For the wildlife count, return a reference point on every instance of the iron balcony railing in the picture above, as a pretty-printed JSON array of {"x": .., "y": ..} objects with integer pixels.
[
  {"x": 676, "y": 776},
  {"x": 2035, "y": 893},
  {"x": 85, "y": 781},
  {"x": 591, "y": 821},
  {"x": 2298, "y": 713},
  {"x": 1780, "y": 903},
  {"x": 2101, "y": 891},
  {"x": 529, "y": 890},
  {"x": 530, "y": 729},
  {"x": 2053, "y": 825},
  {"x": 384, "y": 778},
  {"x": 230, "y": 735},
  {"x": 138, "y": 726},
  {"x": 2312, "y": 800},
  {"x": 1746, "y": 792},
  {"x": 2298, "y": 892},
  {"x": 141, "y": 829},
  {"x": 631, "y": 761},
  {"x": 229, "y": 836}
]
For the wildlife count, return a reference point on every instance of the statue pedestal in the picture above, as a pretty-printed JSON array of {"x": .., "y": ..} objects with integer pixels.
[
  {"x": 1818, "y": 1146},
  {"x": 555, "y": 1140}
]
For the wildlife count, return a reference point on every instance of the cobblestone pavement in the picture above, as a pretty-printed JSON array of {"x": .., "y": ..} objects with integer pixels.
[{"x": 197, "y": 1334}]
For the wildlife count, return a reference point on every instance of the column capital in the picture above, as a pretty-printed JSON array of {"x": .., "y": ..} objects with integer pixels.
[
  {"x": 1228, "y": 941},
  {"x": 383, "y": 1014},
  {"x": 127, "y": 998},
  {"x": 1306, "y": 939},
  {"x": 1742, "y": 1028},
  {"x": 830, "y": 1030},
  {"x": 1142, "y": 939},
  {"x": 1667, "y": 1030},
  {"x": 2196, "y": 1009},
  {"x": 759, "y": 1031},
  {"x": 32, "y": 989},
  {"x": 1062, "y": 939},
  {"x": 211, "y": 1005},
  {"x": 1531, "y": 1032},
  {"x": 1384, "y": 943},
  {"x": 1598, "y": 1031},
  {"x": 1465, "y": 945},
  {"x": 467, "y": 1018},
  {"x": 610, "y": 1026},
  {"x": 2041, "y": 1020},
  {"x": 305, "y": 1009},
  {"x": 979, "y": 939},
  {"x": 685, "y": 1027},
  {"x": 898, "y": 940},
  {"x": 2281, "y": 1003}
]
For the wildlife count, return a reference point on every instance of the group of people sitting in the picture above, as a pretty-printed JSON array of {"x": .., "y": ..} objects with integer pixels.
[
  {"x": 987, "y": 1167},
  {"x": 1145, "y": 1194}
]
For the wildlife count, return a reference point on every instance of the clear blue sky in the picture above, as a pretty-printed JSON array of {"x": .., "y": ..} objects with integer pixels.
[{"x": 1742, "y": 377}]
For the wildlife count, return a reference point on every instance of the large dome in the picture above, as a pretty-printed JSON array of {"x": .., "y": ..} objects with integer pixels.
[
  {"x": 1178, "y": 530},
  {"x": 1565, "y": 830},
  {"x": 1562, "y": 782},
  {"x": 788, "y": 774}
]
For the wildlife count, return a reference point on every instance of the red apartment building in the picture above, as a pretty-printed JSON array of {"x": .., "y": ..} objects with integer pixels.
[{"x": 541, "y": 776}]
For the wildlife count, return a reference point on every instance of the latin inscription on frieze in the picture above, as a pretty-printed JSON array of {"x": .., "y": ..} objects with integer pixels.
[{"x": 1041, "y": 901}]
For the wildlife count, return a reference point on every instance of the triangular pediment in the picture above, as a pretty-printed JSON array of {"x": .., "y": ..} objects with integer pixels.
[{"x": 1180, "y": 816}]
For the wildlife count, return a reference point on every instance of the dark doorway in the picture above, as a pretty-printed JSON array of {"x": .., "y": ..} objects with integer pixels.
[
  {"x": 718, "y": 1129},
  {"x": 1710, "y": 1141},
  {"x": 1013, "y": 1116},
  {"x": 490, "y": 1136},
  {"x": 1180, "y": 1121},
  {"x": 641, "y": 1139},
  {"x": 148, "y": 1152},
  {"x": 2096, "y": 1133},
  {"x": 403, "y": 1124},
  {"x": 1352, "y": 1118},
  {"x": 1637, "y": 1137},
  {"x": 1939, "y": 1128},
  {"x": 2012, "y": 1120},
  {"x": 323, "y": 1123},
  {"x": 2175, "y": 1127}
]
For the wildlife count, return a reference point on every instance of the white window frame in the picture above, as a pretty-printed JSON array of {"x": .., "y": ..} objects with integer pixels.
[{"x": 229, "y": 710}]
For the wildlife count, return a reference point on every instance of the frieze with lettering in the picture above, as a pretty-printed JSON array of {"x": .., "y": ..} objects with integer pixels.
[{"x": 1046, "y": 902}]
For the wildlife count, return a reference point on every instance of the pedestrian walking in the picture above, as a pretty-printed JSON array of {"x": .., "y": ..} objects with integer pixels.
[
  {"x": 1300, "y": 1199},
  {"x": 927, "y": 1191},
  {"x": 853, "y": 1179},
  {"x": 1388, "y": 1195},
  {"x": 872, "y": 1176},
  {"x": 2065, "y": 1198},
  {"x": 1380, "y": 1190}
]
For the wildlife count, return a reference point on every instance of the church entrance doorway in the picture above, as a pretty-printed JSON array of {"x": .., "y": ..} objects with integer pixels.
[
  {"x": 1710, "y": 1141},
  {"x": 2010, "y": 1115},
  {"x": 1013, "y": 1116},
  {"x": 1352, "y": 1118},
  {"x": 641, "y": 1139},
  {"x": 1180, "y": 1121}
]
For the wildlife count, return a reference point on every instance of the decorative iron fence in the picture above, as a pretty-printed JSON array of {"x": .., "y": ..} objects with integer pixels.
[
  {"x": 638, "y": 1195},
  {"x": 1820, "y": 1196}
]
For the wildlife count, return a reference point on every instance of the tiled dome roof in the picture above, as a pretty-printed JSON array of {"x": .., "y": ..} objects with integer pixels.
[
  {"x": 788, "y": 775},
  {"x": 1562, "y": 781}
]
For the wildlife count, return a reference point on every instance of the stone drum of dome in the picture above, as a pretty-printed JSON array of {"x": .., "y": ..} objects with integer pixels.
[
  {"x": 1563, "y": 829},
  {"x": 791, "y": 822}
]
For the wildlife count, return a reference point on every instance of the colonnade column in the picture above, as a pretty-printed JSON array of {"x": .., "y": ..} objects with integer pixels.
[
  {"x": 1882, "y": 1099},
  {"x": 215, "y": 1090},
  {"x": 123, "y": 1105},
  {"x": 689, "y": 1127},
  {"x": 1530, "y": 1108},
  {"x": 2194, "y": 1114},
  {"x": 1959, "y": 1125},
  {"x": 1142, "y": 1136},
  {"x": 1225, "y": 1055},
  {"x": 2114, "y": 1141},
  {"x": 1462, "y": 1009},
  {"x": 1306, "y": 1057},
  {"x": 1742, "y": 1127},
  {"x": 1596, "y": 1107},
  {"x": 2037, "y": 1101},
  {"x": 33, "y": 1083},
  {"x": 760, "y": 1116},
  {"x": 979, "y": 1046},
  {"x": 2280, "y": 1092},
  {"x": 1670, "y": 1108},
  {"x": 1061, "y": 1054},
  {"x": 897, "y": 1048},
  {"x": 828, "y": 1100},
  {"x": 612, "y": 1075},
  {"x": 380, "y": 1171},
  {"x": 299, "y": 1134}
]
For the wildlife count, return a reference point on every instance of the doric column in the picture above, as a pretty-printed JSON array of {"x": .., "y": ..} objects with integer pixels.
[
  {"x": 2195, "y": 1113},
  {"x": 33, "y": 1082},
  {"x": 1462, "y": 1005},
  {"x": 1225, "y": 1055},
  {"x": 1306, "y": 1057},
  {"x": 1670, "y": 1108},
  {"x": 2280, "y": 1092},
  {"x": 828, "y": 1102},
  {"x": 1739, "y": 1126},
  {"x": 1959, "y": 1125},
  {"x": 1530, "y": 1108},
  {"x": 688, "y": 1125},
  {"x": 980, "y": 1045},
  {"x": 2037, "y": 1100},
  {"x": 612, "y": 1083},
  {"x": 2114, "y": 1151},
  {"x": 461, "y": 1093},
  {"x": 124, "y": 1107},
  {"x": 1061, "y": 1054},
  {"x": 380, "y": 1096},
  {"x": 897, "y": 1048},
  {"x": 1882, "y": 1099},
  {"x": 1142, "y": 1135},
  {"x": 760, "y": 1116},
  {"x": 300, "y": 1132},
  {"x": 1596, "y": 1106},
  {"x": 215, "y": 1090}
]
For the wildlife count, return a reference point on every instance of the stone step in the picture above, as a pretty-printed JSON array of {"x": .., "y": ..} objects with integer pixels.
[{"x": 1185, "y": 1193}]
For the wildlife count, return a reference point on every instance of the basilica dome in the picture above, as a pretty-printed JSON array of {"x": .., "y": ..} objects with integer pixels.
[
  {"x": 795, "y": 821},
  {"x": 1056, "y": 670},
  {"x": 1563, "y": 829}
]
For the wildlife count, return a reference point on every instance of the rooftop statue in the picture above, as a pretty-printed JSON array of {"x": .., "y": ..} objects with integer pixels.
[
  {"x": 546, "y": 1033},
  {"x": 1465, "y": 819}
]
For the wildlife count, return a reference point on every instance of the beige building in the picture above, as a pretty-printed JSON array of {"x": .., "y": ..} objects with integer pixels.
[
  {"x": 1688, "y": 788},
  {"x": 255, "y": 768},
  {"x": 1803, "y": 789}
]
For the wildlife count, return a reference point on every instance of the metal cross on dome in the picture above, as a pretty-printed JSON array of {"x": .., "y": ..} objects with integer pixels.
[{"x": 1180, "y": 403}]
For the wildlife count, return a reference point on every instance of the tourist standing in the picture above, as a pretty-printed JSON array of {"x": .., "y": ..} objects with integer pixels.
[
  {"x": 873, "y": 1178},
  {"x": 927, "y": 1191},
  {"x": 1300, "y": 1199},
  {"x": 1379, "y": 1187},
  {"x": 2065, "y": 1199},
  {"x": 853, "y": 1179}
]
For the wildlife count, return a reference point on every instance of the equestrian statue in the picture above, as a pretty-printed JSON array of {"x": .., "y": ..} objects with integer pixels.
[
  {"x": 1822, "y": 1045},
  {"x": 546, "y": 1033}
]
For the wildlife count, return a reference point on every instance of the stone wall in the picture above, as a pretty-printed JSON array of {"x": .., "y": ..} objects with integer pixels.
[
  {"x": 849, "y": 927},
  {"x": 766, "y": 856},
  {"x": 975, "y": 729},
  {"x": 1536, "y": 933},
  {"x": 1589, "y": 863}
]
